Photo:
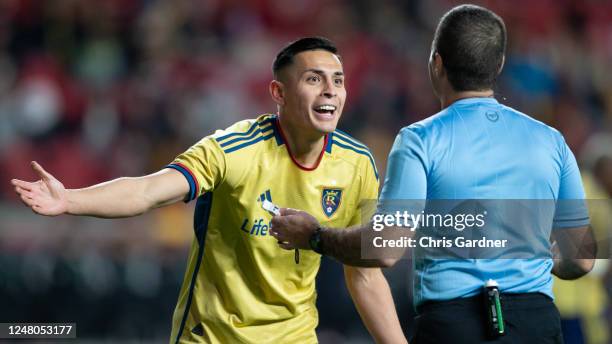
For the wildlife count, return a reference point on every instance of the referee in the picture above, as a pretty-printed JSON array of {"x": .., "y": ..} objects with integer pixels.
[{"x": 475, "y": 148}]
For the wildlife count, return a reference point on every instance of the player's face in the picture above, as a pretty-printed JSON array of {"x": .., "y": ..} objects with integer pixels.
[{"x": 314, "y": 92}]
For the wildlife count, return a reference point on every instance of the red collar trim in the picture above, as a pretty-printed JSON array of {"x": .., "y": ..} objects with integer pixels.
[{"x": 302, "y": 167}]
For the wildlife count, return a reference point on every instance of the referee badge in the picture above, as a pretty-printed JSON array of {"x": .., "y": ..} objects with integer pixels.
[{"x": 330, "y": 200}]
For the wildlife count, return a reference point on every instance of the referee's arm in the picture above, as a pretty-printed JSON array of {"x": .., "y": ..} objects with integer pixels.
[
  {"x": 574, "y": 252},
  {"x": 295, "y": 228}
]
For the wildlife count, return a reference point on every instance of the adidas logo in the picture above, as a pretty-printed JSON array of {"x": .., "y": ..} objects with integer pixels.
[
  {"x": 258, "y": 227},
  {"x": 265, "y": 196}
]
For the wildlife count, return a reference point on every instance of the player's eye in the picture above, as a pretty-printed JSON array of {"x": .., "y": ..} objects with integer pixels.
[
  {"x": 313, "y": 78},
  {"x": 339, "y": 81}
]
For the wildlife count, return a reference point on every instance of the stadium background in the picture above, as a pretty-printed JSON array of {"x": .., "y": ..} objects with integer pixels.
[{"x": 99, "y": 89}]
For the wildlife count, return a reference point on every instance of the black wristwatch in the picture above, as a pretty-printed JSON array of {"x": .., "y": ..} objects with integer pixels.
[{"x": 316, "y": 244}]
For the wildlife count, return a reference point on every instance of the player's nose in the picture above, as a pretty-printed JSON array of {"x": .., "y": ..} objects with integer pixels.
[{"x": 329, "y": 91}]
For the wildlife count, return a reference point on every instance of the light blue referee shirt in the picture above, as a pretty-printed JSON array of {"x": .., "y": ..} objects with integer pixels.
[{"x": 480, "y": 149}]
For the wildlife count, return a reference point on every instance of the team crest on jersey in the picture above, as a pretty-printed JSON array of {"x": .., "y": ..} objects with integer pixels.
[{"x": 330, "y": 200}]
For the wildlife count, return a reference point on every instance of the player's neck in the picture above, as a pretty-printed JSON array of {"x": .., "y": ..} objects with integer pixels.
[
  {"x": 304, "y": 149},
  {"x": 451, "y": 96}
]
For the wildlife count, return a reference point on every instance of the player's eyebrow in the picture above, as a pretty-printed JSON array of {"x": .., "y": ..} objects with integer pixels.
[{"x": 321, "y": 72}]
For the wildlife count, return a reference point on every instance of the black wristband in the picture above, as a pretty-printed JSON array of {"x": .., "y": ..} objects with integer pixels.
[{"x": 316, "y": 242}]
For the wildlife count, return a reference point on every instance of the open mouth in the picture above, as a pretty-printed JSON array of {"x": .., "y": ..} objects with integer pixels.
[{"x": 326, "y": 110}]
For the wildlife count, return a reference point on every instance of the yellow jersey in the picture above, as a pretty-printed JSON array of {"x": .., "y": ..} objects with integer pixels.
[{"x": 240, "y": 286}]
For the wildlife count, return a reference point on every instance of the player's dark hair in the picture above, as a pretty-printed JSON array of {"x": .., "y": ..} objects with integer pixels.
[
  {"x": 472, "y": 43},
  {"x": 285, "y": 56}
]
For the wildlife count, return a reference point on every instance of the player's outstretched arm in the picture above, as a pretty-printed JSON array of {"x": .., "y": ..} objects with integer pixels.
[
  {"x": 122, "y": 197},
  {"x": 372, "y": 297},
  {"x": 46, "y": 196}
]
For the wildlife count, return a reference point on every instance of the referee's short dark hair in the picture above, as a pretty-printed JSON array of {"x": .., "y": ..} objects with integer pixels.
[
  {"x": 285, "y": 56},
  {"x": 472, "y": 43}
]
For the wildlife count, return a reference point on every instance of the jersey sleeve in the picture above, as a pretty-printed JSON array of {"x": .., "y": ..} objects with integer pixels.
[
  {"x": 405, "y": 183},
  {"x": 203, "y": 165},
  {"x": 571, "y": 210},
  {"x": 369, "y": 195}
]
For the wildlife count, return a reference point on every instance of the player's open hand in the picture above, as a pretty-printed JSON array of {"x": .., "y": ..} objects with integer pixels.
[
  {"x": 46, "y": 196},
  {"x": 293, "y": 228}
]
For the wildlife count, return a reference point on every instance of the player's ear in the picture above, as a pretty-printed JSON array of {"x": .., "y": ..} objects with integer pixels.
[{"x": 277, "y": 92}]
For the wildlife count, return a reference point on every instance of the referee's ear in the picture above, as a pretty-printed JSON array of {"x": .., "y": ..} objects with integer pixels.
[
  {"x": 277, "y": 92},
  {"x": 501, "y": 65},
  {"x": 438, "y": 65}
]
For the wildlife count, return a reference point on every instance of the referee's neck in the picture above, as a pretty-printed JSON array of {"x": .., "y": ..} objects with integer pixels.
[{"x": 449, "y": 98}]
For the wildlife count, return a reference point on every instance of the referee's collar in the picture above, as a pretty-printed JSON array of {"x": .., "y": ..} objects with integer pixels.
[{"x": 474, "y": 100}]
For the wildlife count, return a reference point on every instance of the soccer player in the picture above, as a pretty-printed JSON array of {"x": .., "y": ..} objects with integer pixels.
[{"x": 239, "y": 285}]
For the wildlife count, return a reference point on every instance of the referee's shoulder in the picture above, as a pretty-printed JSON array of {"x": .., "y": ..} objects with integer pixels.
[
  {"x": 425, "y": 127},
  {"x": 532, "y": 124}
]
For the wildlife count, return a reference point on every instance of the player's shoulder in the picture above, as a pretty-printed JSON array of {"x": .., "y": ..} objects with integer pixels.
[
  {"x": 348, "y": 146},
  {"x": 244, "y": 127},
  {"x": 350, "y": 149},
  {"x": 246, "y": 133}
]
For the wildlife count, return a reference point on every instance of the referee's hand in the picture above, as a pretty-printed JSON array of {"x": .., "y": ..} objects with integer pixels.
[
  {"x": 46, "y": 196},
  {"x": 293, "y": 228}
]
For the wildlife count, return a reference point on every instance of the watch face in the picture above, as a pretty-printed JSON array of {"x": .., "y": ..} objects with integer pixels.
[{"x": 315, "y": 241}]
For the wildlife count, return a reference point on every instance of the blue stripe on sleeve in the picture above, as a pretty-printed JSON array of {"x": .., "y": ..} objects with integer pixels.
[{"x": 189, "y": 177}]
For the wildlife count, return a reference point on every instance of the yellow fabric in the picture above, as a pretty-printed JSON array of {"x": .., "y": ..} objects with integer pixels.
[
  {"x": 247, "y": 289},
  {"x": 585, "y": 298}
]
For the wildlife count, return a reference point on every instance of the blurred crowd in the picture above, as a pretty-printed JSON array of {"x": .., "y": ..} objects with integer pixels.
[{"x": 95, "y": 90}]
